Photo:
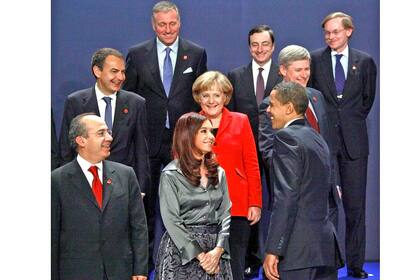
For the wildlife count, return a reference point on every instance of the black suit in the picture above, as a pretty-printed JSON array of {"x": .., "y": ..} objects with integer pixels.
[
  {"x": 55, "y": 151},
  {"x": 244, "y": 101},
  {"x": 350, "y": 144},
  {"x": 143, "y": 78},
  {"x": 300, "y": 232},
  {"x": 88, "y": 242},
  {"x": 129, "y": 145}
]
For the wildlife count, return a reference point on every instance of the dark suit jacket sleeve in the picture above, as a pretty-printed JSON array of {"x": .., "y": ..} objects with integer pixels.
[
  {"x": 286, "y": 176},
  {"x": 202, "y": 64},
  {"x": 369, "y": 85},
  {"x": 67, "y": 154},
  {"x": 55, "y": 151},
  {"x": 55, "y": 228},
  {"x": 265, "y": 133},
  {"x": 142, "y": 166},
  {"x": 138, "y": 227},
  {"x": 232, "y": 105},
  {"x": 130, "y": 83}
]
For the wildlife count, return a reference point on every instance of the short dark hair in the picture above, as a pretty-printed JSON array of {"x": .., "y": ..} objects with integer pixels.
[
  {"x": 183, "y": 147},
  {"x": 98, "y": 58},
  {"x": 261, "y": 28},
  {"x": 294, "y": 93},
  {"x": 78, "y": 128}
]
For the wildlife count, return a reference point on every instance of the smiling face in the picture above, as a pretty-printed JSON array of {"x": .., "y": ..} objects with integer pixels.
[
  {"x": 96, "y": 145},
  {"x": 166, "y": 26},
  {"x": 298, "y": 71},
  {"x": 261, "y": 47},
  {"x": 112, "y": 76},
  {"x": 204, "y": 138},
  {"x": 212, "y": 102},
  {"x": 336, "y": 36},
  {"x": 278, "y": 111}
]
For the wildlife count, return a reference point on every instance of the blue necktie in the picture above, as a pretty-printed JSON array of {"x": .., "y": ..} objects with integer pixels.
[
  {"x": 167, "y": 71},
  {"x": 167, "y": 77},
  {"x": 339, "y": 76},
  {"x": 108, "y": 112}
]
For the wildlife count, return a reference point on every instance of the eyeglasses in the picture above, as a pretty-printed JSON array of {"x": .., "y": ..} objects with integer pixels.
[
  {"x": 102, "y": 132},
  {"x": 334, "y": 32}
]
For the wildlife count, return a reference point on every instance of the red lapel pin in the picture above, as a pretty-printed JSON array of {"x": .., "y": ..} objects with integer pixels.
[
  {"x": 125, "y": 110},
  {"x": 314, "y": 98},
  {"x": 185, "y": 57},
  {"x": 109, "y": 181}
]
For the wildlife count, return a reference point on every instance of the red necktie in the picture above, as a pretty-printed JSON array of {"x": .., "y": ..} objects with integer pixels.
[
  {"x": 311, "y": 119},
  {"x": 96, "y": 185}
]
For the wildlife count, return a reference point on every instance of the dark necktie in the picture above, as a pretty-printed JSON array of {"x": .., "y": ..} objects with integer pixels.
[
  {"x": 310, "y": 117},
  {"x": 260, "y": 86},
  {"x": 339, "y": 75},
  {"x": 108, "y": 112},
  {"x": 96, "y": 185},
  {"x": 167, "y": 78}
]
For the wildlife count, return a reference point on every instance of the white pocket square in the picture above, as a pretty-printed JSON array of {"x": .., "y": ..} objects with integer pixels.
[{"x": 188, "y": 70}]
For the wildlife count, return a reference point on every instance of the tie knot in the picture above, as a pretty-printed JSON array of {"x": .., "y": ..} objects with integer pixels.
[
  {"x": 94, "y": 170},
  {"x": 107, "y": 100},
  {"x": 168, "y": 50},
  {"x": 338, "y": 57},
  {"x": 260, "y": 69}
]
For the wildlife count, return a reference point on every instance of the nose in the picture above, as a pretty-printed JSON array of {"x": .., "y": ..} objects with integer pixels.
[
  {"x": 121, "y": 76},
  {"x": 259, "y": 48},
  {"x": 167, "y": 29},
  {"x": 211, "y": 99},
  {"x": 108, "y": 136}
]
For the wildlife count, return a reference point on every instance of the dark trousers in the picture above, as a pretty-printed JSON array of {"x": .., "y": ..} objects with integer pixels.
[
  {"x": 238, "y": 243},
  {"x": 353, "y": 178},
  {"x": 151, "y": 204},
  {"x": 312, "y": 273}
]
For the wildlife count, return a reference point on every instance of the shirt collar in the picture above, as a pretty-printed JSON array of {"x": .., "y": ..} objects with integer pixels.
[
  {"x": 289, "y": 122},
  {"x": 85, "y": 165},
  {"x": 161, "y": 46},
  {"x": 345, "y": 52},
  {"x": 266, "y": 66},
  {"x": 100, "y": 94}
]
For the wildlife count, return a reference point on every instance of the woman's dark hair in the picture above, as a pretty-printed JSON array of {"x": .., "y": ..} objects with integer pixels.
[{"x": 183, "y": 148}]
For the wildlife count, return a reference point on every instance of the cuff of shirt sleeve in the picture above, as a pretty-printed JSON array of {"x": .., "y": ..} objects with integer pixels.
[{"x": 190, "y": 251}]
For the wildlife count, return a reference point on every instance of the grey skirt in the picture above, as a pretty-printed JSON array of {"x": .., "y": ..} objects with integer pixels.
[{"x": 169, "y": 265}]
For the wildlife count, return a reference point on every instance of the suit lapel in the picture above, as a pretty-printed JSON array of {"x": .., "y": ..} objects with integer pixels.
[
  {"x": 273, "y": 77},
  {"x": 77, "y": 178},
  {"x": 352, "y": 67},
  {"x": 181, "y": 63},
  {"x": 247, "y": 82},
  {"x": 153, "y": 65},
  {"x": 224, "y": 122},
  {"x": 90, "y": 103},
  {"x": 108, "y": 181},
  {"x": 121, "y": 113},
  {"x": 328, "y": 74}
]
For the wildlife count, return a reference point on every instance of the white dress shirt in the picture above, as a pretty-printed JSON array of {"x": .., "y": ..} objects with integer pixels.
[
  {"x": 85, "y": 165},
  {"x": 102, "y": 104},
  {"x": 161, "y": 52},
  {"x": 264, "y": 73},
  {"x": 344, "y": 60}
]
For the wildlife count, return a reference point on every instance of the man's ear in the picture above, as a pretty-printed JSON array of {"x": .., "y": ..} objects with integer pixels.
[
  {"x": 81, "y": 141},
  {"x": 289, "y": 108},
  {"x": 97, "y": 71}
]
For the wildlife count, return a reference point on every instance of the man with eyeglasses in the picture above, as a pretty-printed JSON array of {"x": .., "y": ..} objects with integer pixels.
[
  {"x": 98, "y": 222},
  {"x": 251, "y": 83},
  {"x": 124, "y": 113},
  {"x": 347, "y": 79}
]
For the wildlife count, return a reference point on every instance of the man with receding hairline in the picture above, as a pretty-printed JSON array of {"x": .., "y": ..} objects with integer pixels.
[
  {"x": 162, "y": 70},
  {"x": 347, "y": 79}
]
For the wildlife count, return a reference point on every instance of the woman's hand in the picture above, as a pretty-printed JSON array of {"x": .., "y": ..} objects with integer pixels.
[
  {"x": 210, "y": 262},
  {"x": 254, "y": 215}
]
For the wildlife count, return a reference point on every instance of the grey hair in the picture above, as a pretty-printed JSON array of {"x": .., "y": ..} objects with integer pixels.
[
  {"x": 165, "y": 6},
  {"x": 78, "y": 128},
  {"x": 292, "y": 53}
]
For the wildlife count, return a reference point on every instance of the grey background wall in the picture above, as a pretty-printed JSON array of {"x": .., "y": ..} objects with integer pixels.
[{"x": 221, "y": 26}]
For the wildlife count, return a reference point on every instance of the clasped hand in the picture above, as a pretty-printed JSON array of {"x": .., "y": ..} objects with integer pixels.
[{"x": 210, "y": 261}]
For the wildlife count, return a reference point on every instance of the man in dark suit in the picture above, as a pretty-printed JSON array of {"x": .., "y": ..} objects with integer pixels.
[
  {"x": 251, "y": 83},
  {"x": 301, "y": 242},
  {"x": 294, "y": 66},
  {"x": 347, "y": 79},
  {"x": 98, "y": 224},
  {"x": 126, "y": 114},
  {"x": 162, "y": 70},
  {"x": 55, "y": 151}
]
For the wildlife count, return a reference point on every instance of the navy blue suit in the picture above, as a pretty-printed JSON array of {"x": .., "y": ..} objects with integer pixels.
[
  {"x": 143, "y": 78},
  {"x": 129, "y": 130},
  {"x": 300, "y": 232},
  {"x": 350, "y": 145}
]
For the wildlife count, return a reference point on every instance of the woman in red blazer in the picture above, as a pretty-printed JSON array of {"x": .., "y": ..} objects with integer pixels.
[{"x": 236, "y": 153}]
